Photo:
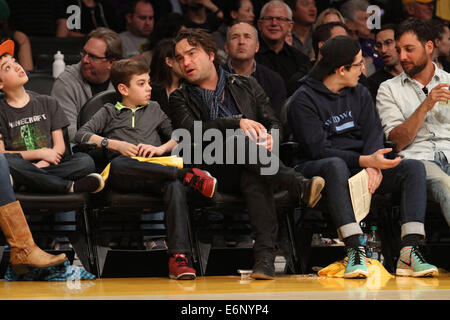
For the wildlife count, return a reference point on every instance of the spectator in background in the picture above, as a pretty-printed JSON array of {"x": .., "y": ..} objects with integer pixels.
[
  {"x": 44, "y": 18},
  {"x": 304, "y": 13},
  {"x": 241, "y": 46},
  {"x": 81, "y": 81},
  {"x": 94, "y": 14},
  {"x": 203, "y": 14},
  {"x": 140, "y": 22},
  {"x": 274, "y": 24},
  {"x": 355, "y": 14},
  {"x": 385, "y": 45},
  {"x": 165, "y": 73},
  {"x": 321, "y": 34},
  {"x": 166, "y": 27},
  {"x": 329, "y": 15},
  {"x": 441, "y": 51},
  {"x": 234, "y": 11},
  {"x": 420, "y": 9},
  {"x": 21, "y": 42}
]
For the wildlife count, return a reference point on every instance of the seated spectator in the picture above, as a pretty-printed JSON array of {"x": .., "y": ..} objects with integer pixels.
[
  {"x": 385, "y": 45},
  {"x": 44, "y": 18},
  {"x": 137, "y": 127},
  {"x": 329, "y": 15},
  {"x": 242, "y": 45},
  {"x": 32, "y": 138},
  {"x": 21, "y": 42},
  {"x": 24, "y": 252},
  {"x": 355, "y": 13},
  {"x": 203, "y": 14},
  {"x": 234, "y": 11},
  {"x": 81, "y": 81},
  {"x": 274, "y": 24},
  {"x": 94, "y": 14},
  {"x": 166, "y": 27},
  {"x": 165, "y": 73},
  {"x": 441, "y": 52},
  {"x": 140, "y": 21},
  {"x": 334, "y": 120},
  {"x": 414, "y": 109},
  {"x": 420, "y": 9},
  {"x": 304, "y": 13},
  {"x": 216, "y": 99}
]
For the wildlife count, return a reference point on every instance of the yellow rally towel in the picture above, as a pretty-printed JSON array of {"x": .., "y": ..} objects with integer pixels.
[
  {"x": 337, "y": 269},
  {"x": 172, "y": 161},
  {"x": 443, "y": 9}
]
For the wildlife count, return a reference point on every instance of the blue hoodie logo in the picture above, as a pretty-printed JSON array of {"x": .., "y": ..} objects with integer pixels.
[{"x": 342, "y": 121}]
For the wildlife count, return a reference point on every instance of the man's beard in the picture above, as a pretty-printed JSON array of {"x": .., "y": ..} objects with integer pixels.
[{"x": 417, "y": 68}]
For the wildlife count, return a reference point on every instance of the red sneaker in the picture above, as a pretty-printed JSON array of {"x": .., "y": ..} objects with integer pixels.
[
  {"x": 202, "y": 181},
  {"x": 179, "y": 268}
]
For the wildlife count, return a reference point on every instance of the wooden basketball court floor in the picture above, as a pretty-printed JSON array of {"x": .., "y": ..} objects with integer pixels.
[{"x": 284, "y": 287}]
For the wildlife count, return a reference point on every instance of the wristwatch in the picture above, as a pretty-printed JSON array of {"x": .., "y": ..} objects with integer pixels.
[{"x": 105, "y": 143}]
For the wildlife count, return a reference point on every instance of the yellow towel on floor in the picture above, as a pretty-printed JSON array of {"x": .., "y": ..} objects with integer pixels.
[
  {"x": 172, "y": 161},
  {"x": 337, "y": 269}
]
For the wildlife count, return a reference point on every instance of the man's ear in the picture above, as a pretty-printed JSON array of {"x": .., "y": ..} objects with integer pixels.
[
  {"x": 226, "y": 48},
  {"x": 123, "y": 89},
  {"x": 257, "y": 46},
  {"x": 212, "y": 56},
  {"x": 429, "y": 47},
  {"x": 340, "y": 70},
  {"x": 128, "y": 18}
]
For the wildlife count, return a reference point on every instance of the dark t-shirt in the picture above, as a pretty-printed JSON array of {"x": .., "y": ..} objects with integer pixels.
[
  {"x": 375, "y": 80},
  {"x": 31, "y": 127},
  {"x": 287, "y": 62}
]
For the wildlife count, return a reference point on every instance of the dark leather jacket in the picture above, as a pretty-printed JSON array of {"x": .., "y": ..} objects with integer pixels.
[{"x": 250, "y": 99}]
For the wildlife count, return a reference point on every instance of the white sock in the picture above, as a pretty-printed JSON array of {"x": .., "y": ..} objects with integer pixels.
[{"x": 71, "y": 187}]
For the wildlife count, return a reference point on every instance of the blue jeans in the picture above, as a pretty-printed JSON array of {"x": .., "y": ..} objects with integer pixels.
[
  {"x": 438, "y": 182},
  {"x": 51, "y": 179},
  {"x": 408, "y": 178},
  {"x": 6, "y": 190}
]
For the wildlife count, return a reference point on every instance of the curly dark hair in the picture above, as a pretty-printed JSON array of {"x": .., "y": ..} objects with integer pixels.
[{"x": 198, "y": 38}]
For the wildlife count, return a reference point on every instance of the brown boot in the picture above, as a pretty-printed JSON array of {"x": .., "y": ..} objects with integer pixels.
[{"x": 24, "y": 252}]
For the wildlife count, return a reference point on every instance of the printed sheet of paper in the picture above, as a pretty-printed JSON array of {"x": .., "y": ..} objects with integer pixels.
[{"x": 360, "y": 195}]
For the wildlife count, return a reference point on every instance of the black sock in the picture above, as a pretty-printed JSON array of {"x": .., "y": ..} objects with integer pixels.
[
  {"x": 410, "y": 240},
  {"x": 352, "y": 241}
]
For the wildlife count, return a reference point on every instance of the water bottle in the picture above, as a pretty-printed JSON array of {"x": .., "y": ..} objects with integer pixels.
[
  {"x": 58, "y": 64},
  {"x": 373, "y": 250},
  {"x": 363, "y": 237}
]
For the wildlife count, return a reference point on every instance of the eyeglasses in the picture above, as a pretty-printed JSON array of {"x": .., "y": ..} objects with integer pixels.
[
  {"x": 387, "y": 43},
  {"x": 358, "y": 65},
  {"x": 277, "y": 19},
  {"x": 91, "y": 56}
]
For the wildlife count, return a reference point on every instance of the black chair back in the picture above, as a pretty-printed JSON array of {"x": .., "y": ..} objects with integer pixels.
[
  {"x": 94, "y": 104},
  {"x": 44, "y": 49}
]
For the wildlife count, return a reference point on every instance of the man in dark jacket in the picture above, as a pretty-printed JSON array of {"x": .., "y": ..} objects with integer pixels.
[
  {"x": 338, "y": 128},
  {"x": 221, "y": 102}
]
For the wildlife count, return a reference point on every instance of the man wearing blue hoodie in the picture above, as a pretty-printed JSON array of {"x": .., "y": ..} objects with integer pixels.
[{"x": 337, "y": 125}]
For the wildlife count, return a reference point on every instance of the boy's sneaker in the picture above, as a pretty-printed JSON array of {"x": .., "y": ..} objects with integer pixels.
[
  {"x": 311, "y": 190},
  {"x": 202, "y": 181},
  {"x": 356, "y": 264},
  {"x": 179, "y": 268},
  {"x": 92, "y": 183},
  {"x": 412, "y": 263}
]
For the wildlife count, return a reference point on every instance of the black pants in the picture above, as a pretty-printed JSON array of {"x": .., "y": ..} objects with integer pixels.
[
  {"x": 130, "y": 175},
  {"x": 258, "y": 191}
]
